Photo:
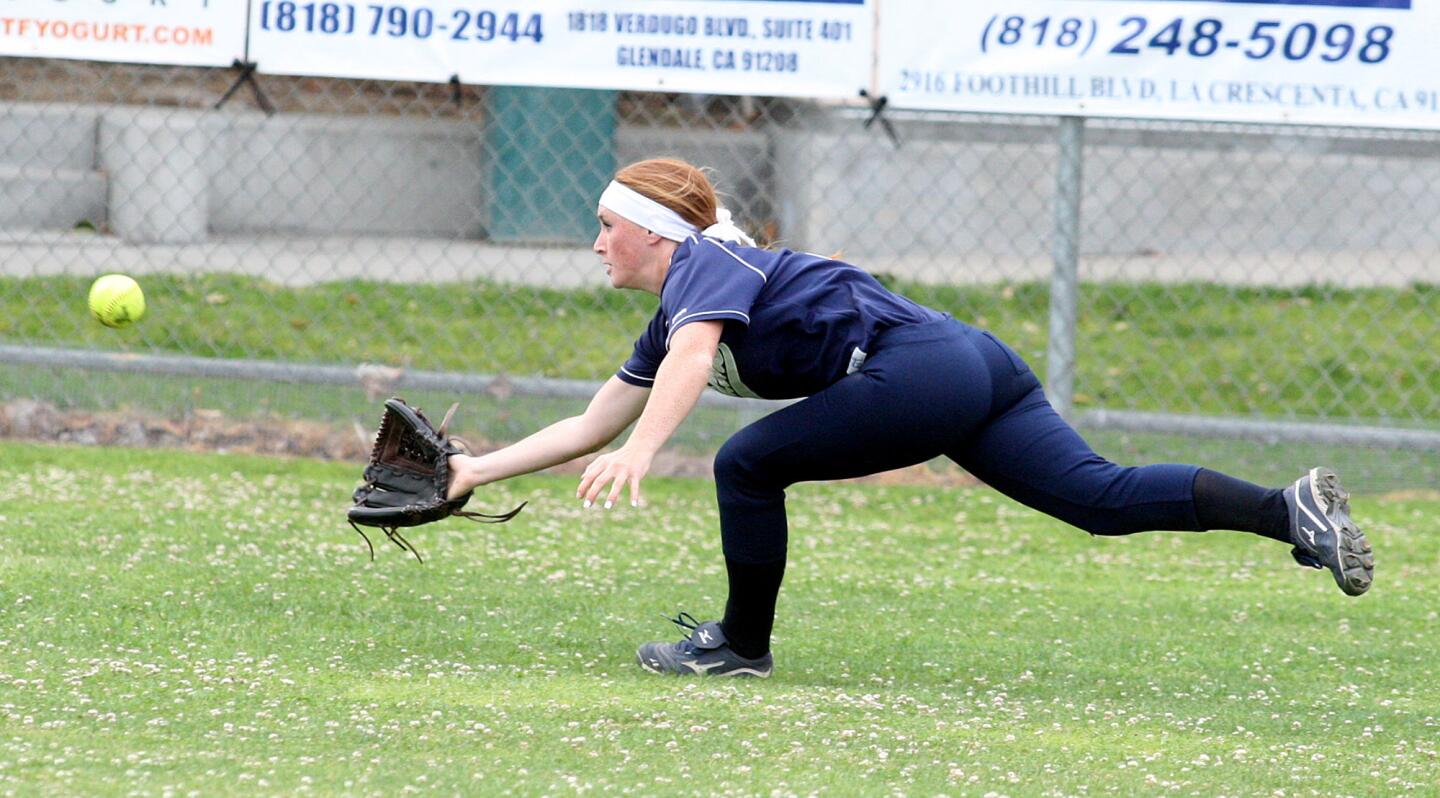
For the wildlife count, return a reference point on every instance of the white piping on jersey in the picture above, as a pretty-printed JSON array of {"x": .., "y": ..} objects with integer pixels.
[
  {"x": 636, "y": 376},
  {"x": 686, "y": 316},
  {"x": 676, "y": 324},
  {"x": 743, "y": 262}
]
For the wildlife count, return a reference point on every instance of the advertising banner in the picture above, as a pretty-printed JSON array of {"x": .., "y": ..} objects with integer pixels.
[
  {"x": 819, "y": 48},
  {"x": 179, "y": 32},
  {"x": 1341, "y": 62}
]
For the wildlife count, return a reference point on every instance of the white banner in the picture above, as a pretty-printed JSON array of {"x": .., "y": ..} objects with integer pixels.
[
  {"x": 820, "y": 48},
  {"x": 1342, "y": 62},
  {"x": 182, "y": 32}
]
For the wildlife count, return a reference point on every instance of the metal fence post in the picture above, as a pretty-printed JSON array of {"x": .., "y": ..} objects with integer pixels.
[{"x": 1064, "y": 284}]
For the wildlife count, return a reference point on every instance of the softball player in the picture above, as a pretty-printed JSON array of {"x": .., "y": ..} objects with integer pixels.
[{"x": 884, "y": 383}]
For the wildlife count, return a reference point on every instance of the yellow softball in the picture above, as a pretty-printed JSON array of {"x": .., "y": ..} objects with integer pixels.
[{"x": 116, "y": 300}]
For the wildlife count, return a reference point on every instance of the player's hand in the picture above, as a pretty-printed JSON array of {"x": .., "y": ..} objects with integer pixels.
[
  {"x": 461, "y": 481},
  {"x": 614, "y": 470}
]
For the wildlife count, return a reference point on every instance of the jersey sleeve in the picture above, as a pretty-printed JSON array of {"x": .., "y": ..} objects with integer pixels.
[
  {"x": 645, "y": 359},
  {"x": 712, "y": 283}
]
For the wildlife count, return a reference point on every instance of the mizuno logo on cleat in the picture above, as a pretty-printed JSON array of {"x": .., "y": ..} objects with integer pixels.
[
  {"x": 1309, "y": 533},
  {"x": 695, "y": 665}
]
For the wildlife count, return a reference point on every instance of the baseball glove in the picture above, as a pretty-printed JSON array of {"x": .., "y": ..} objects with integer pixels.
[{"x": 408, "y": 476}]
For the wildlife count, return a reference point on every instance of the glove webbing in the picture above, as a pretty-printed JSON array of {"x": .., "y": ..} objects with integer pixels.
[{"x": 392, "y": 532}]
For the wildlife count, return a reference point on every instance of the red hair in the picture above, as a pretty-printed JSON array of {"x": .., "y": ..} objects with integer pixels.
[{"x": 679, "y": 186}]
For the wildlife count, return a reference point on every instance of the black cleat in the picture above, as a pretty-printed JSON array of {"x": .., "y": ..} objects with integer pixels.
[
  {"x": 1323, "y": 534},
  {"x": 704, "y": 652}
]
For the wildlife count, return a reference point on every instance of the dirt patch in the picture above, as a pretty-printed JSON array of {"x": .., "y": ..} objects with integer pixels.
[
  {"x": 203, "y": 430},
  {"x": 211, "y": 431}
]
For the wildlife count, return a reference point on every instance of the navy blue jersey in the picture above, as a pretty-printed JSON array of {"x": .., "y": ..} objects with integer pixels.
[{"x": 794, "y": 322}]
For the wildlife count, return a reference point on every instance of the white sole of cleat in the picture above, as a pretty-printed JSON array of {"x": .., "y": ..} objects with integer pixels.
[
  {"x": 751, "y": 672},
  {"x": 1357, "y": 560}
]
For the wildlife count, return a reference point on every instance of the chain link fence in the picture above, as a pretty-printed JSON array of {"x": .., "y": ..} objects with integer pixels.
[{"x": 1256, "y": 299}]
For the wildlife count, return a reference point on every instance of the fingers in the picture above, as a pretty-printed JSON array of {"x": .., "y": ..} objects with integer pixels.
[
  {"x": 621, "y": 481},
  {"x": 597, "y": 475},
  {"x": 595, "y": 489},
  {"x": 589, "y": 482},
  {"x": 615, "y": 490},
  {"x": 609, "y": 473},
  {"x": 584, "y": 480}
]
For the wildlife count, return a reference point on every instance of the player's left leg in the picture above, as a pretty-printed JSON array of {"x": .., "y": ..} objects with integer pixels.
[
  {"x": 1030, "y": 453},
  {"x": 922, "y": 389},
  {"x": 1323, "y": 534}
]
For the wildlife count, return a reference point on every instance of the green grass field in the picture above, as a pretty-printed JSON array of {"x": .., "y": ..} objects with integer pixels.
[
  {"x": 1303, "y": 352},
  {"x": 1366, "y": 355},
  {"x": 177, "y": 624}
]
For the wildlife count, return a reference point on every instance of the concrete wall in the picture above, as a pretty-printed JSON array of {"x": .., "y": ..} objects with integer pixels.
[
  {"x": 984, "y": 190},
  {"x": 844, "y": 188},
  {"x": 327, "y": 175},
  {"x": 959, "y": 199},
  {"x": 177, "y": 176},
  {"x": 48, "y": 178}
]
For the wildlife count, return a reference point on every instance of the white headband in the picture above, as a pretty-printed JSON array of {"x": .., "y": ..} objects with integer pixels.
[{"x": 664, "y": 222}]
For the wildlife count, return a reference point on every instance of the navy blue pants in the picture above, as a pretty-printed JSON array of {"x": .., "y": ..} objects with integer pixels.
[{"x": 942, "y": 388}]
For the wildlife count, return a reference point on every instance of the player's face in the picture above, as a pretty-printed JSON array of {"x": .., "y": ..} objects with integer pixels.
[{"x": 623, "y": 247}]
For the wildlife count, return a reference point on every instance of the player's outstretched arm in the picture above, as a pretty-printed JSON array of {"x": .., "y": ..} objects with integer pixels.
[
  {"x": 614, "y": 407},
  {"x": 679, "y": 382}
]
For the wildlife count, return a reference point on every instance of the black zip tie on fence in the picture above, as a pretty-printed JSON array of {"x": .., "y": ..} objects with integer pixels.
[
  {"x": 247, "y": 75},
  {"x": 877, "y": 111},
  {"x": 456, "y": 92}
]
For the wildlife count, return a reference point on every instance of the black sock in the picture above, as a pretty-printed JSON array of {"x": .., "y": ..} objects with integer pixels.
[
  {"x": 750, "y": 610},
  {"x": 1224, "y": 502}
]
